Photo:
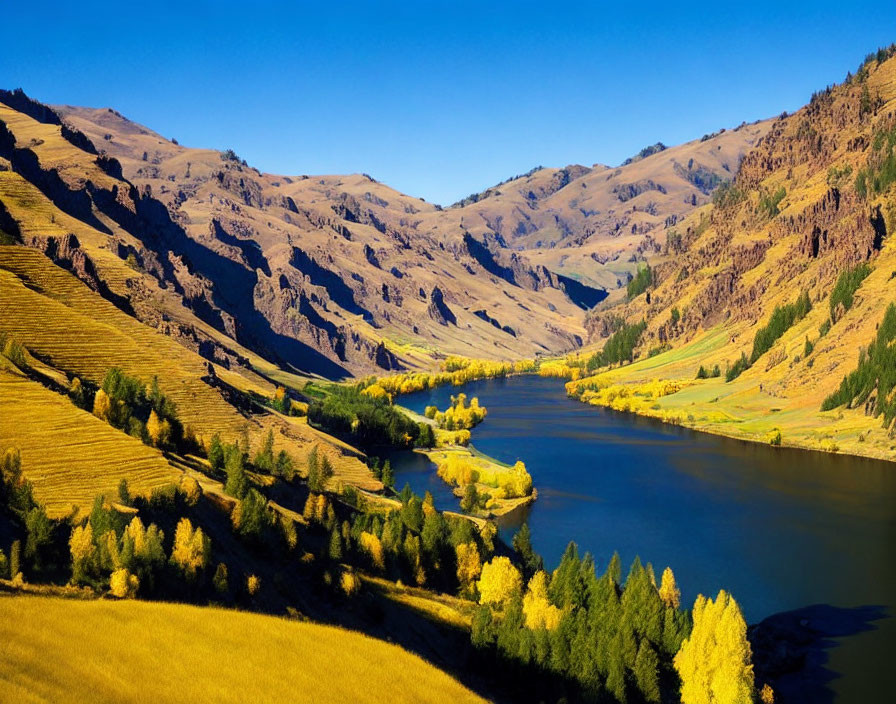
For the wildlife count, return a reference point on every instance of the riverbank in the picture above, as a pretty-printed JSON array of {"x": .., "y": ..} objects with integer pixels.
[{"x": 754, "y": 407}]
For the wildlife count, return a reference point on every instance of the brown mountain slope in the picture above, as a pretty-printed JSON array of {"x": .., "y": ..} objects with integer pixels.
[
  {"x": 340, "y": 263},
  {"x": 589, "y": 223},
  {"x": 796, "y": 218}
]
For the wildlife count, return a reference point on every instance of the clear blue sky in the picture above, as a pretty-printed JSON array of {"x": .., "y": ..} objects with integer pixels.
[{"x": 436, "y": 99}]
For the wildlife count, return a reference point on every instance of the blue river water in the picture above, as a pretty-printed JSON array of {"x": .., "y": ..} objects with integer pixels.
[{"x": 780, "y": 529}]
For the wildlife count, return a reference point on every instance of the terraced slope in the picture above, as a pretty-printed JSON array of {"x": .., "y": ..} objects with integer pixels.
[
  {"x": 50, "y": 649},
  {"x": 73, "y": 329},
  {"x": 69, "y": 455}
]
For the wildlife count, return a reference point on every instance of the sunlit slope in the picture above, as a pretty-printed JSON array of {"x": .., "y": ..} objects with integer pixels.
[
  {"x": 588, "y": 222},
  {"x": 64, "y": 323},
  {"x": 53, "y": 650},
  {"x": 737, "y": 261},
  {"x": 61, "y": 320},
  {"x": 70, "y": 456}
]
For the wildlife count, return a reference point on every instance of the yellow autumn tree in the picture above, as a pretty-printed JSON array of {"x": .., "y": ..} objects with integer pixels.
[
  {"x": 83, "y": 551},
  {"x": 320, "y": 510},
  {"x": 375, "y": 391},
  {"x": 500, "y": 581},
  {"x": 159, "y": 430},
  {"x": 538, "y": 611},
  {"x": 373, "y": 547},
  {"x": 253, "y": 584},
  {"x": 310, "y": 508},
  {"x": 123, "y": 584},
  {"x": 191, "y": 549},
  {"x": 190, "y": 490},
  {"x": 714, "y": 663},
  {"x": 349, "y": 582},
  {"x": 102, "y": 405},
  {"x": 469, "y": 564},
  {"x": 669, "y": 591}
]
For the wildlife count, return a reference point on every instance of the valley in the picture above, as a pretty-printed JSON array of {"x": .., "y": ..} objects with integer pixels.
[{"x": 341, "y": 440}]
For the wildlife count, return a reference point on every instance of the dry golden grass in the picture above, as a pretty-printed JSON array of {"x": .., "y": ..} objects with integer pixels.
[
  {"x": 442, "y": 608},
  {"x": 53, "y": 150},
  {"x": 61, "y": 320},
  {"x": 54, "y": 650},
  {"x": 69, "y": 455}
]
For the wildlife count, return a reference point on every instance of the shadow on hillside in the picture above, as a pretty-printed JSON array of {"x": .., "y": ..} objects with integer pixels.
[
  {"x": 233, "y": 284},
  {"x": 791, "y": 649}
]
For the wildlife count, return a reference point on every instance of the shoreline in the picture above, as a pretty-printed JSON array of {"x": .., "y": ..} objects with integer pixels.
[{"x": 758, "y": 438}]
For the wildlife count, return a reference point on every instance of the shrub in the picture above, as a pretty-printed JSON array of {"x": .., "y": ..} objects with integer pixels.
[
  {"x": 641, "y": 281},
  {"x": 727, "y": 196},
  {"x": 769, "y": 202}
]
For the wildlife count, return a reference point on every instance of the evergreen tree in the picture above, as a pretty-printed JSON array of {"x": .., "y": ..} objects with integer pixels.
[
  {"x": 388, "y": 474},
  {"x": 237, "y": 483},
  {"x": 264, "y": 458},
  {"x": 522, "y": 543},
  {"x": 124, "y": 493},
  {"x": 614, "y": 569},
  {"x": 15, "y": 559},
  {"x": 483, "y": 629},
  {"x": 646, "y": 672},
  {"x": 216, "y": 453},
  {"x": 335, "y": 548},
  {"x": 220, "y": 581},
  {"x": 39, "y": 541}
]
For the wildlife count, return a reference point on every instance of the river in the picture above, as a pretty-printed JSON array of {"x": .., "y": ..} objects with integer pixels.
[{"x": 780, "y": 529}]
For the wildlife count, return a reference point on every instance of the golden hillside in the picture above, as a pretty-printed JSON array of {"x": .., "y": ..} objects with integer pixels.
[
  {"x": 793, "y": 221},
  {"x": 50, "y": 649}
]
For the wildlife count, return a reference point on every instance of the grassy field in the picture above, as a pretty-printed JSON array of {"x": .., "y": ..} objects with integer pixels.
[{"x": 56, "y": 650}]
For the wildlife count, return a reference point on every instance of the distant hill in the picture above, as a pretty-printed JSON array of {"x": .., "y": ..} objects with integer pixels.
[{"x": 591, "y": 223}]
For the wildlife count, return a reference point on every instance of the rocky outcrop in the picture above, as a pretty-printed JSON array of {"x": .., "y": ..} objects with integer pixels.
[{"x": 438, "y": 310}]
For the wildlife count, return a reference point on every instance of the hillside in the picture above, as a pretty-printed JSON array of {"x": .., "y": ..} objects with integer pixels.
[
  {"x": 342, "y": 265},
  {"x": 811, "y": 210},
  {"x": 592, "y": 223},
  {"x": 51, "y": 647}
]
